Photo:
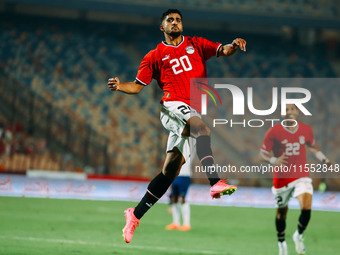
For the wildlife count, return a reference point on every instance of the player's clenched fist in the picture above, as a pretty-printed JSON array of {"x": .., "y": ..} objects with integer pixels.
[
  {"x": 240, "y": 43},
  {"x": 113, "y": 83}
]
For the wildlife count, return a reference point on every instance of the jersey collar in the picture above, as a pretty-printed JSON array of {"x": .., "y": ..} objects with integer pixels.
[
  {"x": 290, "y": 131},
  {"x": 166, "y": 44}
]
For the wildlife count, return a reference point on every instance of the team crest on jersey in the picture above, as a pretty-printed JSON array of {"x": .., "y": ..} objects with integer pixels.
[
  {"x": 190, "y": 49},
  {"x": 302, "y": 140}
]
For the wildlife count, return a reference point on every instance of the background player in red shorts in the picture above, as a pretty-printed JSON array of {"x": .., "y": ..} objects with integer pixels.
[
  {"x": 172, "y": 64},
  {"x": 288, "y": 145}
]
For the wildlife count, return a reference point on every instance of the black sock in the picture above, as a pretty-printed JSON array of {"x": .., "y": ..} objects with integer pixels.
[
  {"x": 156, "y": 189},
  {"x": 205, "y": 155},
  {"x": 280, "y": 228},
  {"x": 303, "y": 220}
]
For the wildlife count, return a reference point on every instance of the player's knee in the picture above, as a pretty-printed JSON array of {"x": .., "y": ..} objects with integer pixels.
[
  {"x": 171, "y": 172},
  {"x": 306, "y": 201},
  {"x": 281, "y": 216},
  {"x": 198, "y": 127},
  {"x": 173, "y": 164},
  {"x": 172, "y": 169},
  {"x": 306, "y": 207},
  {"x": 203, "y": 129},
  {"x": 281, "y": 213}
]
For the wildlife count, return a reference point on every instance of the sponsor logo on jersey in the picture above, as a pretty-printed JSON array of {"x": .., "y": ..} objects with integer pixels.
[
  {"x": 284, "y": 141},
  {"x": 190, "y": 49},
  {"x": 166, "y": 57},
  {"x": 302, "y": 140}
]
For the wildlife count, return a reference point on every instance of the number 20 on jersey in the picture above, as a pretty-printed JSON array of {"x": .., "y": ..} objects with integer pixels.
[{"x": 181, "y": 64}]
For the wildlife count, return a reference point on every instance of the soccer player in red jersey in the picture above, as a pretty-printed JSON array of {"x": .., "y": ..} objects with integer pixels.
[
  {"x": 174, "y": 61},
  {"x": 288, "y": 142}
]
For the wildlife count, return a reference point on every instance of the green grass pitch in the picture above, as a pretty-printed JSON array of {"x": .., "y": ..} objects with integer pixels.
[{"x": 55, "y": 226}]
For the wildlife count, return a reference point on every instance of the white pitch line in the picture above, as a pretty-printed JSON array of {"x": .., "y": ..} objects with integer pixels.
[{"x": 128, "y": 246}]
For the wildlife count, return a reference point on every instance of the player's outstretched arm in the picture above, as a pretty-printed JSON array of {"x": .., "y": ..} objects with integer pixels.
[
  {"x": 230, "y": 49},
  {"x": 129, "y": 88}
]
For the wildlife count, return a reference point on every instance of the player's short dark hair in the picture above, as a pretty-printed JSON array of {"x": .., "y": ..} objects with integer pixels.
[{"x": 166, "y": 13}]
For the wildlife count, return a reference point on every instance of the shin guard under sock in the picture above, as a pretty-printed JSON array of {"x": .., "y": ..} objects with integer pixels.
[
  {"x": 156, "y": 189},
  {"x": 205, "y": 155},
  {"x": 303, "y": 220},
  {"x": 280, "y": 228}
]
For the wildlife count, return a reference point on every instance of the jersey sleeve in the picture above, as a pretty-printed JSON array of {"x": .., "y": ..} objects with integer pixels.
[
  {"x": 146, "y": 69},
  {"x": 268, "y": 141},
  {"x": 209, "y": 48},
  {"x": 310, "y": 136}
]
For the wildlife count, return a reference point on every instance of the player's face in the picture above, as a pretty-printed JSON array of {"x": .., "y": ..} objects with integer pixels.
[
  {"x": 172, "y": 25},
  {"x": 291, "y": 111}
]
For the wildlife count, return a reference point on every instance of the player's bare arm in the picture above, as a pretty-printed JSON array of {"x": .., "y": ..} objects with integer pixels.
[
  {"x": 319, "y": 154},
  {"x": 267, "y": 157},
  {"x": 129, "y": 88},
  {"x": 230, "y": 49}
]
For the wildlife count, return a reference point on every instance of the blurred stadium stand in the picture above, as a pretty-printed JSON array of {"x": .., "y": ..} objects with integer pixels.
[
  {"x": 304, "y": 13},
  {"x": 54, "y": 72}
]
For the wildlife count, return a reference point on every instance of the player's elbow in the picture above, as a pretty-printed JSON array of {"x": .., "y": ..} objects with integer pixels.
[{"x": 137, "y": 88}]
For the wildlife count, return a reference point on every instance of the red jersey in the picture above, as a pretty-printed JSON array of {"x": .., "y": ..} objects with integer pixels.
[
  {"x": 173, "y": 66},
  {"x": 282, "y": 140}
]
